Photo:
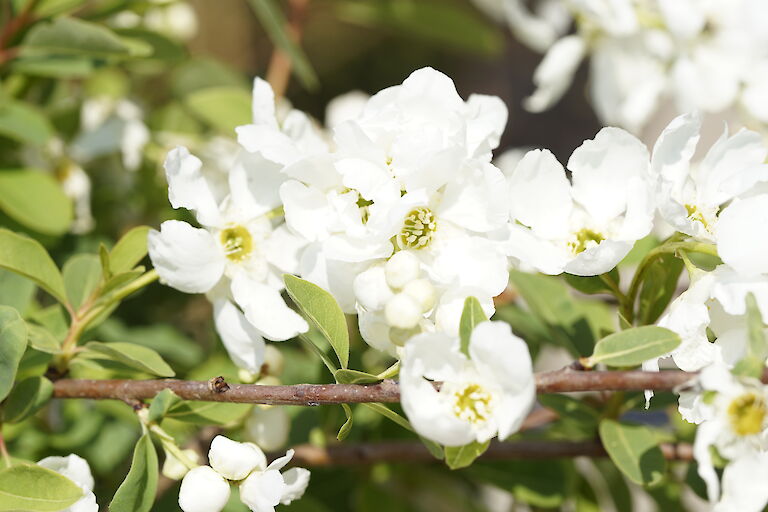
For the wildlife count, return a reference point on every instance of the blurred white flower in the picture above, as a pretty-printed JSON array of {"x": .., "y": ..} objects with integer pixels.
[
  {"x": 203, "y": 490},
  {"x": 486, "y": 394},
  {"x": 268, "y": 427},
  {"x": 175, "y": 469},
  {"x": 76, "y": 469}
]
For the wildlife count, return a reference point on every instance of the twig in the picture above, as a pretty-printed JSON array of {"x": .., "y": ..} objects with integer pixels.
[
  {"x": 566, "y": 380},
  {"x": 279, "y": 70},
  {"x": 409, "y": 451}
]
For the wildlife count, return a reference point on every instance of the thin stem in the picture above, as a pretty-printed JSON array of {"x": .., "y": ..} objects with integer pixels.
[
  {"x": 279, "y": 70},
  {"x": 4, "y": 450},
  {"x": 169, "y": 443},
  {"x": 614, "y": 287}
]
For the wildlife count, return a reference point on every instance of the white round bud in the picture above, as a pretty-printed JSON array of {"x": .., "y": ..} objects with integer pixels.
[
  {"x": 233, "y": 460},
  {"x": 268, "y": 427},
  {"x": 402, "y": 311},
  {"x": 371, "y": 288},
  {"x": 246, "y": 377},
  {"x": 402, "y": 268},
  {"x": 274, "y": 362},
  {"x": 423, "y": 292},
  {"x": 173, "y": 468},
  {"x": 203, "y": 490}
]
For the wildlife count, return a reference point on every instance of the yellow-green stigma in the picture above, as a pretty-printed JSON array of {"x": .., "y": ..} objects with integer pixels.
[
  {"x": 585, "y": 239},
  {"x": 363, "y": 205},
  {"x": 237, "y": 242},
  {"x": 747, "y": 414},
  {"x": 472, "y": 403},
  {"x": 418, "y": 229},
  {"x": 695, "y": 215}
]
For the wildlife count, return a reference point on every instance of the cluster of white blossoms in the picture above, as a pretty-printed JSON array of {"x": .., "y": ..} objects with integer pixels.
[
  {"x": 262, "y": 486},
  {"x": 708, "y": 55}
]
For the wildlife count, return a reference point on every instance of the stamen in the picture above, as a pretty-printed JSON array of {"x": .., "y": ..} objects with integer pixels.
[
  {"x": 418, "y": 229},
  {"x": 237, "y": 242}
]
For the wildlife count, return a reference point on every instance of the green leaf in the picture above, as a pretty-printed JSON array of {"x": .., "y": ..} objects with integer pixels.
[
  {"x": 571, "y": 409},
  {"x": 13, "y": 343},
  {"x": 30, "y": 259},
  {"x": 274, "y": 23},
  {"x": 346, "y": 428},
  {"x": 40, "y": 338},
  {"x": 26, "y": 398},
  {"x": 457, "y": 457},
  {"x": 344, "y": 376},
  {"x": 224, "y": 108},
  {"x": 54, "y": 66},
  {"x": 16, "y": 291},
  {"x": 208, "y": 413},
  {"x": 634, "y": 346},
  {"x": 542, "y": 484},
  {"x": 658, "y": 288},
  {"x": 755, "y": 329},
  {"x": 24, "y": 123},
  {"x": 162, "y": 403},
  {"x": 36, "y": 200},
  {"x": 137, "y": 492},
  {"x": 323, "y": 310},
  {"x": 34, "y": 488},
  {"x": 129, "y": 250},
  {"x": 135, "y": 356},
  {"x": 82, "y": 275},
  {"x": 71, "y": 36},
  {"x": 635, "y": 451},
  {"x": 593, "y": 284},
  {"x": 471, "y": 315}
]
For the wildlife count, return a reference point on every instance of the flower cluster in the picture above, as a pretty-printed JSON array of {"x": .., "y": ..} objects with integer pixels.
[
  {"x": 262, "y": 486},
  {"x": 703, "y": 55}
]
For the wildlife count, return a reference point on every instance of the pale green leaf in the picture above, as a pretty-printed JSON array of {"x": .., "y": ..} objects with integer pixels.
[
  {"x": 471, "y": 315},
  {"x": 71, "y": 36},
  {"x": 15, "y": 290},
  {"x": 346, "y": 428},
  {"x": 224, "y": 107},
  {"x": 208, "y": 413},
  {"x": 24, "y": 123},
  {"x": 40, "y": 338},
  {"x": 135, "y": 356},
  {"x": 30, "y": 259},
  {"x": 129, "y": 250},
  {"x": 36, "y": 200},
  {"x": 54, "y": 66},
  {"x": 345, "y": 376},
  {"x": 634, "y": 346},
  {"x": 658, "y": 287},
  {"x": 457, "y": 457},
  {"x": 137, "y": 492},
  {"x": 323, "y": 310},
  {"x": 635, "y": 451},
  {"x": 13, "y": 343},
  {"x": 82, "y": 275},
  {"x": 162, "y": 403},
  {"x": 26, "y": 398},
  {"x": 37, "y": 489}
]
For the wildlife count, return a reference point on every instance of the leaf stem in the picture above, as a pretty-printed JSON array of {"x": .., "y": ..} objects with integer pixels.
[{"x": 4, "y": 450}]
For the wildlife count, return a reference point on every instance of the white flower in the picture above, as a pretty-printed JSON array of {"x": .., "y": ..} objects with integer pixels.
[
  {"x": 175, "y": 469},
  {"x": 203, "y": 490},
  {"x": 76, "y": 469},
  {"x": 238, "y": 256},
  {"x": 266, "y": 488},
  {"x": 268, "y": 427},
  {"x": 344, "y": 108},
  {"x": 742, "y": 233},
  {"x": 555, "y": 73},
  {"x": 482, "y": 396},
  {"x": 690, "y": 197},
  {"x": 233, "y": 460},
  {"x": 587, "y": 227},
  {"x": 735, "y": 417}
]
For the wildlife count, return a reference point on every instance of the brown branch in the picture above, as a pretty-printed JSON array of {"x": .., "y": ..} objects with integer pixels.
[
  {"x": 409, "y": 451},
  {"x": 279, "y": 69},
  {"x": 560, "y": 381}
]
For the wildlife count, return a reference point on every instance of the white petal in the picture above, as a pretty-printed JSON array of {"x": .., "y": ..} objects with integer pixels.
[
  {"x": 254, "y": 183},
  {"x": 266, "y": 310},
  {"x": 674, "y": 148},
  {"x": 272, "y": 144},
  {"x": 233, "y": 460},
  {"x": 345, "y": 107},
  {"x": 335, "y": 276},
  {"x": 263, "y": 104},
  {"x": 476, "y": 200},
  {"x": 371, "y": 288},
  {"x": 487, "y": 117},
  {"x": 472, "y": 261},
  {"x": 307, "y": 211},
  {"x": 533, "y": 252},
  {"x": 554, "y": 74},
  {"x": 296, "y": 482},
  {"x": 188, "y": 188},
  {"x": 187, "y": 258},
  {"x": 731, "y": 289},
  {"x": 73, "y": 467},
  {"x": 448, "y": 311},
  {"x": 742, "y": 235},
  {"x": 598, "y": 259},
  {"x": 283, "y": 249},
  {"x": 374, "y": 329},
  {"x": 744, "y": 488},
  {"x": 705, "y": 436},
  {"x": 722, "y": 172},
  {"x": 541, "y": 194},
  {"x": 280, "y": 462},
  {"x": 203, "y": 490},
  {"x": 261, "y": 492},
  {"x": 243, "y": 343}
]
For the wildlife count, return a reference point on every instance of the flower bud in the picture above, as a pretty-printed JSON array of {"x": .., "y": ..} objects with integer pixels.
[
  {"x": 203, "y": 490},
  {"x": 400, "y": 336},
  {"x": 246, "y": 377},
  {"x": 371, "y": 288},
  {"x": 268, "y": 427},
  {"x": 262, "y": 490},
  {"x": 233, "y": 460},
  {"x": 173, "y": 468},
  {"x": 423, "y": 292},
  {"x": 273, "y": 361},
  {"x": 401, "y": 268},
  {"x": 403, "y": 311}
]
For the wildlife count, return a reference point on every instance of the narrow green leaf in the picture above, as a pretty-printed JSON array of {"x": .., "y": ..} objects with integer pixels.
[
  {"x": 36, "y": 200},
  {"x": 344, "y": 376},
  {"x": 161, "y": 404},
  {"x": 593, "y": 284},
  {"x": 658, "y": 288},
  {"x": 13, "y": 343},
  {"x": 471, "y": 315},
  {"x": 208, "y": 413},
  {"x": 120, "y": 280},
  {"x": 635, "y": 451},
  {"x": 54, "y": 66},
  {"x": 40, "y": 338},
  {"x": 71, "y": 36},
  {"x": 389, "y": 414},
  {"x": 129, "y": 250},
  {"x": 323, "y": 310},
  {"x": 24, "y": 123},
  {"x": 135, "y": 356},
  {"x": 544, "y": 484},
  {"x": 137, "y": 492},
  {"x": 26, "y": 398},
  {"x": 457, "y": 457},
  {"x": 634, "y": 346},
  {"x": 224, "y": 108},
  {"x": 30, "y": 259},
  {"x": 274, "y": 23},
  {"x": 34, "y": 488},
  {"x": 106, "y": 272},
  {"x": 346, "y": 428},
  {"x": 82, "y": 275}
]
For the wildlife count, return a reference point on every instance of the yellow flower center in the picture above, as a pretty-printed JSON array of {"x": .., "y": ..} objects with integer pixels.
[
  {"x": 747, "y": 414},
  {"x": 472, "y": 403},
  {"x": 237, "y": 242},
  {"x": 696, "y": 215},
  {"x": 418, "y": 229},
  {"x": 585, "y": 239}
]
